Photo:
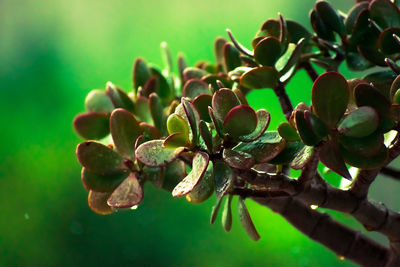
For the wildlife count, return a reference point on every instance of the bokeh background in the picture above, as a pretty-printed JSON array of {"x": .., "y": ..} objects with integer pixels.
[{"x": 51, "y": 54}]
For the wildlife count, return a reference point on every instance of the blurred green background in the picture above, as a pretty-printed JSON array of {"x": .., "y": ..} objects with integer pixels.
[{"x": 51, "y": 54}]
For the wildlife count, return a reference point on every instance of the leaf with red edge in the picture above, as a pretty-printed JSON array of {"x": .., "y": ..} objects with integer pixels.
[
  {"x": 301, "y": 159},
  {"x": 128, "y": 194},
  {"x": 362, "y": 162},
  {"x": 384, "y": 13},
  {"x": 364, "y": 146},
  {"x": 142, "y": 110},
  {"x": 331, "y": 157},
  {"x": 201, "y": 103},
  {"x": 199, "y": 167},
  {"x": 205, "y": 188},
  {"x": 288, "y": 132},
  {"x": 141, "y": 74},
  {"x": 102, "y": 183},
  {"x": 316, "y": 125},
  {"x": 92, "y": 125},
  {"x": 193, "y": 119},
  {"x": 307, "y": 135},
  {"x": 330, "y": 17},
  {"x": 260, "y": 77},
  {"x": 238, "y": 159},
  {"x": 268, "y": 51},
  {"x": 125, "y": 129},
  {"x": 173, "y": 174},
  {"x": 246, "y": 220},
  {"x": 177, "y": 124},
  {"x": 241, "y": 120},
  {"x": 386, "y": 42},
  {"x": 119, "y": 98},
  {"x": 206, "y": 135},
  {"x": 231, "y": 57},
  {"x": 330, "y": 96},
  {"x": 149, "y": 131},
  {"x": 157, "y": 112},
  {"x": 360, "y": 122},
  {"x": 98, "y": 202},
  {"x": 98, "y": 158},
  {"x": 98, "y": 101},
  {"x": 263, "y": 119},
  {"x": 223, "y": 101},
  {"x": 194, "y": 88},
  {"x": 217, "y": 123},
  {"x": 223, "y": 176},
  {"x": 154, "y": 154},
  {"x": 176, "y": 140},
  {"x": 219, "y": 51},
  {"x": 367, "y": 95}
]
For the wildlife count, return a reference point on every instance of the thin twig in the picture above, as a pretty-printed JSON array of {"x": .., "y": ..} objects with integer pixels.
[{"x": 284, "y": 100}]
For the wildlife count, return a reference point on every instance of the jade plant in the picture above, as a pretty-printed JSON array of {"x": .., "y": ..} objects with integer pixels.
[{"x": 192, "y": 132}]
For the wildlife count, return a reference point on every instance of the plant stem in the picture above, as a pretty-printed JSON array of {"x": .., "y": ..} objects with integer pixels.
[
  {"x": 284, "y": 100},
  {"x": 312, "y": 73}
]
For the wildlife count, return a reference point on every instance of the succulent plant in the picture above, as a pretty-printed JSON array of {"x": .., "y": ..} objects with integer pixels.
[{"x": 193, "y": 132}]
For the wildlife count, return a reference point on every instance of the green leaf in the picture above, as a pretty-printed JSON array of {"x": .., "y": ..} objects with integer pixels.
[
  {"x": 227, "y": 214},
  {"x": 292, "y": 57},
  {"x": 98, "y": 101},
  {"x": 119, "y": 98},
  {"x": 124, "y": 130},
  {"x": 102, "y": 183},
  {"x": 240, "y": 120},
  {"x": 320, "y": 27},
  {"x": 360, "y": 122},
  {"x": 177, "y": 124},
  {"x": 362, "y": 162},
  {"x": 212, "y": 79},
  {"x": 288, "y": 132},
  {"x": 193, "y": 73},
  {"x": 271, "y": 27},
  {"x": 331, "y": 157},
  {"x": 394, "y": 87},
  {"x": 386, "y": 42},
  {"x": 217, "y": 123},
  {"x": 381, "y": 81},
  {"x": 199, "y": 167},
  {"x": 364, "y": 146},
  {"x": 192, "y": 117},
  {"x": 128, "y": 194},
  {"x": 141, "y": 74},
  {"x": 149, "y": 131},
  {"x": 176, "y": 140},
  {"x": 157, "y": 112},
  {"x": 265, "y": 148},
  {"x": 302, "y": 158},
  {"x": 268, "y": 51},
  {"x": 238, "y": 159},
  {"x": 223, "y": 101},
  {"x": 366, "y": 95},
  {"x": 206, "y": 135},
  {"x": 98, "y": 202},
  {"x": 166, "y": 57},
  {"x": 330, "y": 17},
  {"x": 353, "y": 15},
  {"x": 396, "y": 97},
  {"x": 307, "y": 135},
  {"x": 246, "y": 221},
  {"x": 142, "y": 110},
  {"x": 204, "y": 189},
  {"x": 201, "y": 103},
  {"x": 154, "y": 154},
  {"x": 223, "y": 176},
  {"x": 173, "y": 175},
  {"x": 316, "y": 125},
  {"x": 288, "y": 154},
  {"x": 263, "y": 119},
  {"x": 260, "y": 77},
  {"x": 219, "y": 52},
  {"x": 231, "y": 57},
  {"x": 164, "y": 90},
  {"x": 215, "y": 209},
  {"x": 92, "y": 125},
  {"x": 99, "y": 159},
  {"x": 356, "y": 62},
  {"x": 385, "y": 13},
  {"x": 194, "y": 88},
  {"x": 330, "y": 95}
]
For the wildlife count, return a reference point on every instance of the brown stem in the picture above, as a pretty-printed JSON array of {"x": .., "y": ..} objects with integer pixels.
[
  {"x": 391, "y": 172},
  {"x": 323, "y": 229},
  {"x": 312, "y": 73},
  {"x": 284, "y": 101}
]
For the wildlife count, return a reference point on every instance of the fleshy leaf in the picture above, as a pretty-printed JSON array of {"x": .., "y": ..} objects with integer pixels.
[
  {"x": 154, "y": 154},
  {"x": 141, "y": 74},
  {"x": 176, "y": 140},
  {"x": 362, "y": 162},
  {"x": 164, "y": 91},
  {"x": 263, "y": 119},
  {"x": 92, "y": 125},
  {"x": 206, "y": 135},
  {"x": 366, "y": 95},
  {"x": 98, "y": 202},
  {"x": 296, "y": 32},
  {"x": 260, "y": 77},
  {"x": 353, "y": 14},
  {"x": 219, "y": 51},
  {"x": 217, "y": 123},
  {"x": 360, "y": 122},
  {"x": 98, "y": 101},
  {"x": 330, "y": 17},
  {"x": 192, "y": 117},
  {"x": 268, "y": 51},
  {"x": 231, "y": 57},
  {"x": 395, "y": 86},
  {"x": 142, "y": 109},
  {"x": 204, "y": 189},
  {"x": 331, "y": 157},
  {"x": 307, "y": 135},
  {"x": 265, "y": 148},
  {"x": 102, "y": 183},
  {"x": 124, "y": 130},
  {"x": 288, "y": 154},
  {"x": 385, "y": 13},
  {"x": 240, "y": 120},
  {"x": 98, "y": 158},
  {"x": 173, "y": 175},
  {"x": 387, "y": 43},
  {"x": 316, "y": 125},
  {"x": 246, "y": 221},
  {"x": 286, "y": 131},
  {"x": 149, "y": 131},
  {"x": 227, "y": 214},
  {"x": 215, "y": 209},
  {"x": 302, "y": 158},
  {"x": 193, "y": 73},
  {"x": 238, "y": 159},
  {"x": 128, "y": 194},
  {"x": 199, "y": 167},
  {"x": 223, "y": 101},
  {"x": 119, "y": 98},
  {"x": 195, "y": 87},
  {"x": 157, "y": 112},
  {"x": 320, "y": 27},
  {"x": 293, "y": 57},
  {"x": 223, "y": 176},
  {"x": 201, "y": 103},
  {"x": 330, "y": 95},
  {"x": 365, "y": 146},
  {"x": 177, "y": 124}
]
